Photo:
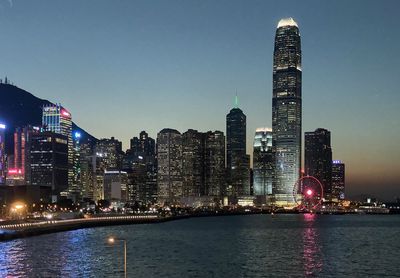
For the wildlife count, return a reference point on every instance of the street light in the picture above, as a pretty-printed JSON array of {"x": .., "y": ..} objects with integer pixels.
[{"x": 112, "y": 240}]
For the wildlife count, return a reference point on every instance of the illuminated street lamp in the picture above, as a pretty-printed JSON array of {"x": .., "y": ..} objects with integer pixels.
[
  {"x": 112, "y": 240},
  {"x": 18, "y": 210}
]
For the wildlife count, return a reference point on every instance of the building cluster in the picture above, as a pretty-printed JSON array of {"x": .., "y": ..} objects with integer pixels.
[{"x": 192, "y": 168}]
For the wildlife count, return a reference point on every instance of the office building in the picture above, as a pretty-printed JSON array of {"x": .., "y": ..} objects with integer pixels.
[
  {"x": 338, "y": 180},
  {"x": 110, "y": 151},
  {"x": 115, "y": 186},
  {"x": 263, "y": 162},
  {"x": 169, "y": 174},
  {"x": 2, "y": 154},
  {"x": 286, "y": 110},
  {"x": 140, "y": 163},
  {"x": 57, "y": 119},
  {"x": 193, "y": 163},
  {"x": 21, "y": 158},
  {"x": 214, "y": 169},
  {"x": 49, "y": 162},
  {"x": 318, "y": 157},
  {"x": 238, "y": 162}
]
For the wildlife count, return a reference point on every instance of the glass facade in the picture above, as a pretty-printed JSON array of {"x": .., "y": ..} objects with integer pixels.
[
  {"x": 238, "y": 162},
  {"x": 57, "y": 119},
  {"x": 49, "y": 161},
  {"x": 338, "y": 179},
  {"x": 263, "y": 162},
  {"x": 21, "y": 151},
  {"x": 318, "y": 157},
  {"x": 286, "y": 110}
]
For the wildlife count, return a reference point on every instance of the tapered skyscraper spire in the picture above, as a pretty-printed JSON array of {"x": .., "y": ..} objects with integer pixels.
[
  {"x": 236, "y": 101},
  {"x": 286, "y": 109}
]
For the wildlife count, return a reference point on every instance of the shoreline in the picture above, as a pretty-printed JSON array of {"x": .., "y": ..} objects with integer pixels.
[{"x": 22, "y": 230}]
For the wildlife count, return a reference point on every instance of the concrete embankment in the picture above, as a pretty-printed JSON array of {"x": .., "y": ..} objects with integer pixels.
[{"x": 14, "y": 231}]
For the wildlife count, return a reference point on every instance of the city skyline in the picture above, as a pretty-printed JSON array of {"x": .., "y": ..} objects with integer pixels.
[{"x": 338, "y": 71}]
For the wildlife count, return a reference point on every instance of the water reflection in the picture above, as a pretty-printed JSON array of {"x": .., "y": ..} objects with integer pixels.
[{"x": 312, "y": 257}]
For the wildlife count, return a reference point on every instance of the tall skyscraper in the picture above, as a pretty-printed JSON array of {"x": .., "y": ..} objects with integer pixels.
[
  {"x": 49, "y": 161},
  {"x": 76, "y": 190},
  {"x": 193, "y": 163},
  {"x": 86, "y": 171},
  {"x": 2, "y": 154},
  {"x": 203, "y": 165},
  {"x": 141, "y": 165},
  {"x": 214, "y": 163},
  {"x": 169, "y": 174},
  {"x": 115, "y": 186},
  {"x": 318, "y": 157},
  {"x": 338, "y": 179},
  {"x": 263, "y": 162},
  {"x": 238, "y": 162},
  {"x": 110, "y": 151},
  {"x": 21, "y": 151},
  {"x": 57, "y": 119},
  {"x": 286, "y": 110}
]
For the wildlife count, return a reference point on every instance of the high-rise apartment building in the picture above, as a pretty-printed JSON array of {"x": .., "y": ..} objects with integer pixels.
[
  {"x": 286, "y": 110},
  {"x": 263, "y": 162}
]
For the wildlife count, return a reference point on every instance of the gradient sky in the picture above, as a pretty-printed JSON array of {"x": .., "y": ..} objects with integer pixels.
[{"x": 125, "y": 66}]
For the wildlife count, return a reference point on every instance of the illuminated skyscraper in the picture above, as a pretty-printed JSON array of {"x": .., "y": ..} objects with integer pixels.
[
  {"x": 49, "y": 162},
  {"x": 286, "y": 110},
  {"x": 318, "y": 157},
  {"x": 238, "y": 162},
  {"x": 21, "y": 151},
  {"x": 203, "y": 163},
  {"x": 263, "y": 162},
  {"x": 169, "y": 174},
  {"x": 338, "y": 179},
  {"x": 214, "y": 163},
  {"x": 140, "y": 163},
  {"x": 57, "y": 119},
  {"x": 115, "y": 186},
  {"x": 110, "y": 150},
  {"x": 193, "y": 163},
  {"x": 2, "y": 154}
]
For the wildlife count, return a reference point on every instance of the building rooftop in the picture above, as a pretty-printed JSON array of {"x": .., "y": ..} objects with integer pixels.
[{"x": 287, "y": 22}]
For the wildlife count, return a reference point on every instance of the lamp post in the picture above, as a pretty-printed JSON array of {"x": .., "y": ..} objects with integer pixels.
[{"x": 112, "y": 240}]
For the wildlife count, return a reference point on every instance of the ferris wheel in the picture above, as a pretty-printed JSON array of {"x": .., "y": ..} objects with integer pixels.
[{"x": 308, "y": 192}]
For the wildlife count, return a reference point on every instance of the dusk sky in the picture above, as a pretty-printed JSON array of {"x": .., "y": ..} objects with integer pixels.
[{"x": 125, "y": 66}]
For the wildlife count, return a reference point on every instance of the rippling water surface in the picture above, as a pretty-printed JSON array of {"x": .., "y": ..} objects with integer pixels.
[{"x": 229, "y": 246}]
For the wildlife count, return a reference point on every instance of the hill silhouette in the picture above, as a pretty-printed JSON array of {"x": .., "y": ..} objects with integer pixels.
[{"x": 19, "y": 108}]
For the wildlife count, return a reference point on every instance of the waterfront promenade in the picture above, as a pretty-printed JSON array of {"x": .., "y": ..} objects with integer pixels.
[{"x": 26, "y": 229}]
